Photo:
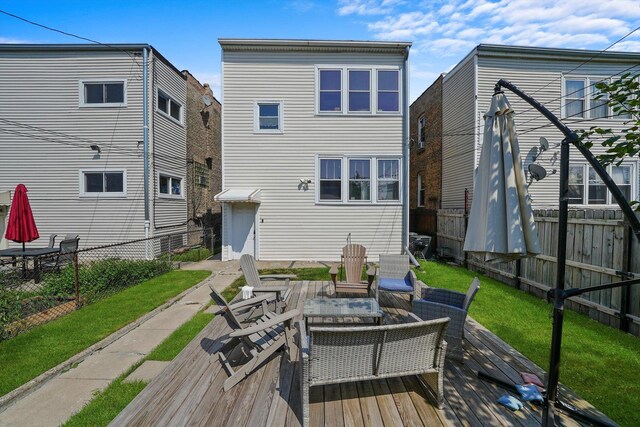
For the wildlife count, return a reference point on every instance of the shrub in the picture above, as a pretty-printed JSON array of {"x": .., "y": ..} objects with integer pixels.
[{"x": 10, "y": 309}]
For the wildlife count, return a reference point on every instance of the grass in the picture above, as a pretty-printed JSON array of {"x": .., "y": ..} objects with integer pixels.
[
  {"x": 192, "y": 255},
  {"x": 107, "y": 404},
  {"x": 599, "y": 363},
  {"x": 301, "y": 274},
  {"x": 29, "y": 354}
]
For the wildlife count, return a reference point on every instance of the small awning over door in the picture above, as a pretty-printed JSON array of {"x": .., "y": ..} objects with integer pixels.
[{"x": 238, "y": 195}]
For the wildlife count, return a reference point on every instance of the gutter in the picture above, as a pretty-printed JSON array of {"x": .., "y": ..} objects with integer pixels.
[{"x": 405, "y": 150}]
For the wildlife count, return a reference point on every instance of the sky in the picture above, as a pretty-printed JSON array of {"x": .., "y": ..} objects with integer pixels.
[{"x": 442, "y": 32}]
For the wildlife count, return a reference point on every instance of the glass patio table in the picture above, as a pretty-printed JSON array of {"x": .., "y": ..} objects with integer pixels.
[{"x": 342, "y": 307}]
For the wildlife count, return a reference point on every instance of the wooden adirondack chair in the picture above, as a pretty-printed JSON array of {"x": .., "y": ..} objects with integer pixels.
[
  {"x": 250, "y": 271},
  {"x": 265, "y": 333},
  {"x": 353, "y": 259}
]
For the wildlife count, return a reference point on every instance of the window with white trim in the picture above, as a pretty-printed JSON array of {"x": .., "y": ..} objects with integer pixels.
[
  {"x": 360, "y": 91},
  {"x": 388, "y": 91},
  {"x": 169, "y": 106},
  {"x": 268, "y": 117},
  {"x": 103, "y": 93},
  {"x": 422, "y": 123},
  {"x": 368, "y": 179},
  {"x": 103, "y": 183},
  {"x": 586, "y": 187},
  {"x": 169, "y": 185},
  {"x": 330, "y": 96},
  {"x": 420, "y": 195},
  {"x": 582, "y": 99}
]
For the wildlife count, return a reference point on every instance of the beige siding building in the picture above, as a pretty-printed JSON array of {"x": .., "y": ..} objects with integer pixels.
[
  {"x": 72, "y": 123},
  {"x": 560, "y": 79},
  {"x": 312, "y": 147}
]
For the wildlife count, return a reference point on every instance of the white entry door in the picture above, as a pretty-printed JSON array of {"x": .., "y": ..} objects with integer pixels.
[
  {"x": 3, "y": 219},
  {"x": 243, "y": 230}
]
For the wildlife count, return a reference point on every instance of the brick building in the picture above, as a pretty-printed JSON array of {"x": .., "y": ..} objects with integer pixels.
[
  {"x": 425, "y": 160},
  {"x": 204, "y": 165}
]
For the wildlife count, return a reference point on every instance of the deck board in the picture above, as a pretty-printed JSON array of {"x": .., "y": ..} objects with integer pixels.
[{"x": 189, "y": 391}]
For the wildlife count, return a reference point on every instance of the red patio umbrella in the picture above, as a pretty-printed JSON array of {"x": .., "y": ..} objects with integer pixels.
[{"x": 22, "y": 227}]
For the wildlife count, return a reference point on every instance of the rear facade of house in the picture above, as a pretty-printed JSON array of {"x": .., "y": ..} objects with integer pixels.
[
  {"x": 72, "y": 123},
  {"x": 560, "y": 79},
  {"x": 312, "y": 145}
]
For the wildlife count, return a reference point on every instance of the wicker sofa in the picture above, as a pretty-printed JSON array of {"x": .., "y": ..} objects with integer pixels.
[{"x": 332, "y": 355}]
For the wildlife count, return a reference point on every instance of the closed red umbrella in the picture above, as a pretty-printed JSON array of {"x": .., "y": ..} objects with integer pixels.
[{"x": 22, "y": 227}]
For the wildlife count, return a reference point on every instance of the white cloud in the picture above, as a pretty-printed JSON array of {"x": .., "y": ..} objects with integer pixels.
[
  {"x": 213, "y": 79},
  {"x": 13, "y": 40},
  {"x": 367, "y": 7}
]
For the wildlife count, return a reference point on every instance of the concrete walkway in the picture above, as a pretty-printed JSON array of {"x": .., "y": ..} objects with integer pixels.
[{"x": 58, "y": 398}]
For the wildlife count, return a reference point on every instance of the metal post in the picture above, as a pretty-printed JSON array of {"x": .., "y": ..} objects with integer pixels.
[
  {"x": 169, "y": 249},
  {"x": 466, "y": 224},
  {"x": 77, "y": 279},
  {"x": 212, "y": 240},
  {"x": 625, "y": 294}
]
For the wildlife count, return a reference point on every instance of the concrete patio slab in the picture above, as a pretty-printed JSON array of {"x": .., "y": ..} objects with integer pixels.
[
  {"x": 147, "y": 371},
  {"x": 140, "y": 341},
  {"x": 172, "y": 317}
]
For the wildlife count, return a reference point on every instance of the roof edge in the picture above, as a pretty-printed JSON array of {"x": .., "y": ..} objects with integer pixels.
[
  {"x": 229, "y": 44},
  {"x": 559, "y": 53}
]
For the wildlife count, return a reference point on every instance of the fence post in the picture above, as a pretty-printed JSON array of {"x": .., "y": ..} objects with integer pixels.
[
  {"x": 212, "y": 240},
  {"x": 169, "y": 251},
  {"x": 77, "y": 279},
  {"x": 518, "y": 272},
  {"x": 625, "y": 295}
]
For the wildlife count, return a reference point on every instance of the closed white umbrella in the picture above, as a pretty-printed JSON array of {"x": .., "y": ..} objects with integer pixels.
[{"x": 501, "y": 223}]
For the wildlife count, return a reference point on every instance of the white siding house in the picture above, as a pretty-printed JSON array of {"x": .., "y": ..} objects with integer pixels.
[
  {"x": 560, "y": 79},
  {"x": 312, "y": 147},
  {"x": 72, "y": 130}
]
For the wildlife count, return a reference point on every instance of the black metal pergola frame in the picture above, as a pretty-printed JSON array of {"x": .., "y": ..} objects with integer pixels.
[{"x": 559, "y": 294}]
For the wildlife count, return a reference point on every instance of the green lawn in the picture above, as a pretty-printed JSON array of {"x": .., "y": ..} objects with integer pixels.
[
  {"x": 192, "y": 255},
  {"x": 29, "y": 354},
  {"x": 107, "y": 404},
  {"x": 599, "y": 363}
]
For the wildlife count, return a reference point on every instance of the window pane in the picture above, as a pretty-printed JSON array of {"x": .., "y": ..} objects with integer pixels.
[
  {"x": 163, "y": 103},
  {"x": 330, "y": 101},
  {"x": 576, "y": 175},
  {"x": 330, "y": 190},
  {"x": 330, "y": 79},
  {"x": 114, "y": 92},
  {"x": 175, "y": 110},
  {"x": 270, "y": 110},
  {"x": 388, "y": 101},
  {"x": 576, "y": 194},
  {"x": 93, "y": 182},
  {"x": 388, "y": 169},
  {"x": 599, "y": 108},
  {"x": 574, "y": 108},
  {"x": 359, "y": 101},
  {"x": 114, "y": 182},
  {"x": 359, "y": 80},
  {"x": 359, "y": 169},
  {"x": 93, "y": 93},
  {"x": 389, "y": 190},
  {"x": 597, "y": 194},
  {"x": 330, "y": 169},
  {"x": 268, "y": 123},
  {"x": 164, "y": 184},
  {"x": 359, "y": 190},
  {"x": 176, "y": 186},
  {"x": 574, "y": 89},
  {"x": 594, "y": 178},
  {"x": 621, "y": 174},
  {"x": 388, "y": 80}
]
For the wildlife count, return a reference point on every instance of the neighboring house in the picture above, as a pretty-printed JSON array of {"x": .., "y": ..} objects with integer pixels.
[
  {"x": 425, "y": 159},
  {"x": 72, "y": 129},
  {"x": 560, "y": 79},
  {"x": 204, "y": 162},
  {"x": 312, "y": 147}
]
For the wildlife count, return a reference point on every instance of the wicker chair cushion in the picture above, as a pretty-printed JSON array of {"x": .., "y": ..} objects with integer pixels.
[{"x": 396, "y": 285}]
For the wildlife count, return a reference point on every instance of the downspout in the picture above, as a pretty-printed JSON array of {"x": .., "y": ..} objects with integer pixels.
[
  {"x": 405, "y": 151},
  {"x": 145, "y": 143}
]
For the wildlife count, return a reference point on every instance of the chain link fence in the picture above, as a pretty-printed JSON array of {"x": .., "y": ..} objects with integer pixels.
[{"x": 35, "y": 289}]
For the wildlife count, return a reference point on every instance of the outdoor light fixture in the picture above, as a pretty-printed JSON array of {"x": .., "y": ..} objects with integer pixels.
[{"x": 96, "y": 147}]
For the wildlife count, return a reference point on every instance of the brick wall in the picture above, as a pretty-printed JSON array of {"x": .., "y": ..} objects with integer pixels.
[
  {"x": 204, "y": 156},
  {"x": 426, "y": 161}
]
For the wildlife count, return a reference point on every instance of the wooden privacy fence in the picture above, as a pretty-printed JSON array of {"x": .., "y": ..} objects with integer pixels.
[{"x": 600, "y": 249}]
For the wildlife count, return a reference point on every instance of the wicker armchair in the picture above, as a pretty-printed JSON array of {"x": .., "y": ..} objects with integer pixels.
[
  {"x": 332, "y": 355},
  {"x": 395, "y": 275},
  {"x": 435, "y": 303}
]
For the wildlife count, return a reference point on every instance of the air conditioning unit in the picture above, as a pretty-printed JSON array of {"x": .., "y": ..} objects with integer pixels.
[{"x": 202, "y": 180}]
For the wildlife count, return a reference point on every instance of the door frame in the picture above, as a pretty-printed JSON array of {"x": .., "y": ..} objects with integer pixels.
[{"x": 256, "y": 230}]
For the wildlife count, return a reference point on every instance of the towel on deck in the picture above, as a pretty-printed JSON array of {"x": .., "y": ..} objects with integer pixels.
[
  {"x": 247, "y": 292},
  {"x": 510, "y": 402},
  {"x": 529, "y": 393}
]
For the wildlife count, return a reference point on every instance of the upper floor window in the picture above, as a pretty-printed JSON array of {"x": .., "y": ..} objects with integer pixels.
[
  {"x": 582, "y": 99},
  {"x": 360, "y": 90},
  {"x": 422, "y": 122},
  {"x": 420, "y": 194},
  {"x": 169, "y": 185},
  {"x": 586, "y": 187},
  {"x": 102, "y": 183},
  {"x": 103, "y": 93},
  {"x": 388, "y": 91},
  {"x": 268, "y": 116},
  {"x": 330, "y": 90},
  {"x": 364, "y": 90},
  {"x": 169, "y": 106}
]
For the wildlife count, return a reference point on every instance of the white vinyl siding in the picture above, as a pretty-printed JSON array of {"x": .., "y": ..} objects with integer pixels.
[{"x": 276, "y": 165}]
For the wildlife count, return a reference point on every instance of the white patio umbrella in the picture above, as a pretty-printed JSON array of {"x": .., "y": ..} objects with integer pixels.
[{"x": 501, "y": 223}]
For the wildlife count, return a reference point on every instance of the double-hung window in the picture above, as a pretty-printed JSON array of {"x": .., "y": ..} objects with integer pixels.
[
  {"x": 360, "y": 91},
  {"x": 330, "y": 180},
  {"x": 575, "y": 104},
  {"x": 359, "y": 179},
  {"x": 598, "y": 102},
  {"x": 102, "y": 93},
  {"x": 169, "y": 186},
  {"x": 586, "y": 187},
  {"x": 422, "y": 122},
  {"x": 582, "y": 99},
  {"x": 268, "y": 117},
  {"x": 388, "y": 91},
  {"x": 420, "y": 194},
  {"x": 388, "y": 180},
  {"x": 103, "y": 183},
  {"x": 169, "y": 106},
  {"x": 330, "y": 93}
]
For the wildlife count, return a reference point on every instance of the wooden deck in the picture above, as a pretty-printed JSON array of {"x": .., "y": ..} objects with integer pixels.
[{"x": 189, "y": 391}]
